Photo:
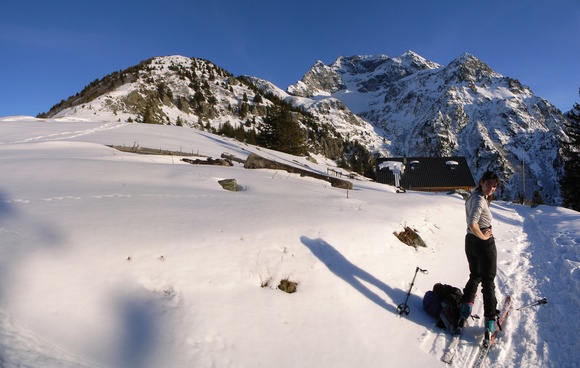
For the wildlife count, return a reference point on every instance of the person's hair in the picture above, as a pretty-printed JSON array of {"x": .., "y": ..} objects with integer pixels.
[{"x": 486, "y": 176}]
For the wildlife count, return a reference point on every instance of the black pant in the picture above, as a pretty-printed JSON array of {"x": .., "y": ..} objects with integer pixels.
[{"x": 482, "y": 258}]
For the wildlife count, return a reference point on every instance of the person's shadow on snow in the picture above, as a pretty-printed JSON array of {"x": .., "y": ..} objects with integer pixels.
[{"x": 352, "y": 274}]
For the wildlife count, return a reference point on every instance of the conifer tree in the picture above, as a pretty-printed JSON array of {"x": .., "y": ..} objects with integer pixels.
[
  {"x": 282, "y": 132},
  {"x": 149, "y": 114},
  {"x": 240, "y": 133},
  {"x": 570, "y": 183},
  {"x": 227, "y": 129},
  {"x": 244, "y": 110},
  {"x": 251, "y": 137}
]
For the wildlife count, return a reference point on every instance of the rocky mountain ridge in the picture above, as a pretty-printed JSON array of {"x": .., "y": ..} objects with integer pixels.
[
  {"x": 462, "y": 109},
  {"x": 398, "y": 106}
]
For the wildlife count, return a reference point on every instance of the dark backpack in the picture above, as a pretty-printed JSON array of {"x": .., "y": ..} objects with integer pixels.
[{"x": 443, "y": 303}]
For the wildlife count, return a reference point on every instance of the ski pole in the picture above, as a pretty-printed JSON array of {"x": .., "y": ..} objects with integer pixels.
[
  {"x": 539, "y": 302},
  {"x": 403, "y": 308}
]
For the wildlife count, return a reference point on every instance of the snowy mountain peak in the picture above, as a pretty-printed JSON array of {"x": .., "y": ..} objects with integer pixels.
[
  {"x": 411, "y": 54},
  {"x": 418, "y": 60},
  {"x": 366, "y": 73},
  {"x": 320, "y": 79},
  {"x": 468, "y": 68},
  {"x": 357, "y": 63},
  {"x": 466, "y": 56}
]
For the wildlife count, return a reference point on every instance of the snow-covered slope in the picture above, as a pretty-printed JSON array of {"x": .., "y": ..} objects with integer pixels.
[
  {"x": 176, "y": 90},
  {"x": 113, "y": 259}
]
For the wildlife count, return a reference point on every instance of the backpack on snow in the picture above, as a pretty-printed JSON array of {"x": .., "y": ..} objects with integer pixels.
[{"x": 443, "y": 303}]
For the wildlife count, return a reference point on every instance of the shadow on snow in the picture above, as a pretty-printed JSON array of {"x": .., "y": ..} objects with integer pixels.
[{"x": 355, "y": 276}]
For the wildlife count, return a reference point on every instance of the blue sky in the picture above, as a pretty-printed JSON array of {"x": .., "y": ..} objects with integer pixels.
[{"x": 50, "y": 50}]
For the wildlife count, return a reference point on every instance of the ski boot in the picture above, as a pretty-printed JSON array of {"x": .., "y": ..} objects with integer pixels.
[
  {"x": 464, "y": 314},
  {"x": 490, "y": 328}
]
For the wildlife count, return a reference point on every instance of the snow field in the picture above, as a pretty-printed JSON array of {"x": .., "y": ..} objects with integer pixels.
[{"x": 112, "y": 259}]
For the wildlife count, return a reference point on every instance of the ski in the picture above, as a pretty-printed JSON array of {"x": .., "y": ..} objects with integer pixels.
[
  {"x": 485, "y": 347},
  {"x": 451, "y": 349},
  {"x": 454, "y": 343}
]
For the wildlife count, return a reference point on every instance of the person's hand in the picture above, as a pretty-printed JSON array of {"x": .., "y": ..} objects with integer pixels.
[{"x": 487, "y": 234}]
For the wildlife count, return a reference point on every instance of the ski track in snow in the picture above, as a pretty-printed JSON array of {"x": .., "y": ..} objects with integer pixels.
[
  {"x": 554, "y": 253},
  {"x": 22, "y": 348},
  {"x": 69, "y": 135},
  {"x": 100, "y": 196},
  {"x": 531, "y": 332},
  {"x": 534, "y": 332}
]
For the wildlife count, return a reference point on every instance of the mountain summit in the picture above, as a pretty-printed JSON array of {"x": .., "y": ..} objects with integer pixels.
[
  {"x": 462, "y": 109},
  {"x": 354, "y": 108}
]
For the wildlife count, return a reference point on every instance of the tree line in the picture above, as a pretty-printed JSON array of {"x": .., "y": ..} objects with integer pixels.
[{"x": 570, "y": 183}]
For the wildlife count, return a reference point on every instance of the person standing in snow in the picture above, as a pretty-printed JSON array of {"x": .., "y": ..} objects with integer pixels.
[{"x": 481, "y": 252}]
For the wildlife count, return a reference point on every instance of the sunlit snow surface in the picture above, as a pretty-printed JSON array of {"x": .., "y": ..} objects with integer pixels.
[{"x": 112, "y": 259}]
